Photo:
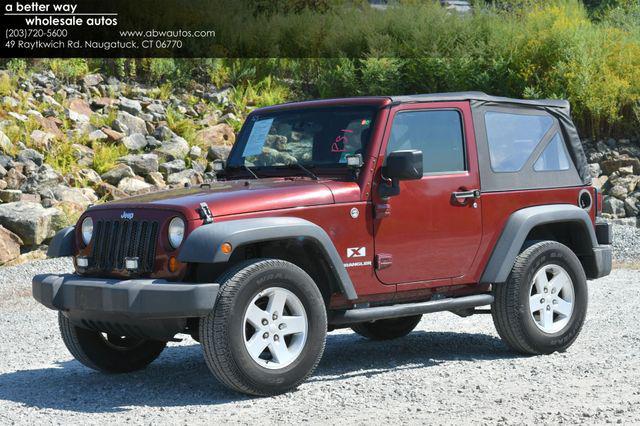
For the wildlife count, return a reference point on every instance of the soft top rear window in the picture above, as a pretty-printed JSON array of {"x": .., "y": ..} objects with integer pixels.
[{"x": 512, "y": 138}]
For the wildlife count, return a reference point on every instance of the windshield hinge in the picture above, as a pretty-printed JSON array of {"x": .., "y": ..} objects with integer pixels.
[{"x": 205, "y": 213}]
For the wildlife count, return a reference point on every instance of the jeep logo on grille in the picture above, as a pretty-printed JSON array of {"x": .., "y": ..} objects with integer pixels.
[{"x": 126, "y": 215}]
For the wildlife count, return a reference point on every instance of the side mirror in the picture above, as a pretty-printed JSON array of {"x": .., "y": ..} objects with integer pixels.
[{"x": 401, "y": 165}]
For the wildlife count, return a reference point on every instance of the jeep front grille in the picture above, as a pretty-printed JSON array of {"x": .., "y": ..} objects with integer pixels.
[{"x": 116, "y": 239}]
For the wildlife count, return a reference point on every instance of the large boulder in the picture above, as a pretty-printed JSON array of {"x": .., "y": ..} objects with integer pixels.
[
  {"x": 218, "y": 153},
  {"x": 89, "y": 176},
  {"x": 171, "y": 167},
  {"x": 41, "y": 139},
  {"x": 5, "y": 144},
  {"x": 33, "y": 223},
  {"x": 79, "y": 110},
  {"x": 141, "y": 164},
  {"x": 109, "y": 192},
  {"x": 174, "y": 149},
  {"x": 50, "y": 126},
  {"x": 15, "y": 179},
  {"x": 45, "y": 177},
  {"x": 218, "y": 135},
  {"x": 131, "y": 185},
  {"x": 163, "y": 133},
  {"x": 613, "y": 165},
  {"x": 119, "y": 172},
  {"x": 73, "y": 195},
  {"x": 10, "y": 195},
  {"x": 83, "y": 154},
  {"x": 129, "y": 124},
  {"x": 632, "y": 206},
  {"x": 156, "y": 179},
  {"x": 91, "y": 80},
  {"x": 129, "y": 105},
  {"x": 613, "y": 206},
  {"x": 619, "y": 192},
  {"x": 195, "y": 152},
  {"x": 185, "y": 177},
  {"x": 9, "y": 245},
  {"x": 97, "y": 135},
  {"x": 135, "y": 142},
  {"x": 25, "y": 155},
  {"x": 112, "y": 134}
]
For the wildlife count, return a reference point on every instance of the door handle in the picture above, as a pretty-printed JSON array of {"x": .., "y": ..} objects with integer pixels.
[{"x": 463, "y": 197}]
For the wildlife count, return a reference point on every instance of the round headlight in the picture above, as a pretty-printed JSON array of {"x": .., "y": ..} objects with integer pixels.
[
  {"x": 87, "y": 230},
  {"x": 176, "y": 232}
]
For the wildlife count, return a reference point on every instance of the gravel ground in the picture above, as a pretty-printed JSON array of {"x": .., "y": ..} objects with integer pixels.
[
  {"x": 626, "y": 244},
  {"x": 450, "y": 370}
]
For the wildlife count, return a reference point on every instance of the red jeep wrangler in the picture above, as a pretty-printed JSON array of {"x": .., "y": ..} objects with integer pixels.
[{"x": 362, "y": 213}]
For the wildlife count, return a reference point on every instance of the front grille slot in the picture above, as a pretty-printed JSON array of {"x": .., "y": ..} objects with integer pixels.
[{"x": 114, "y": 240}]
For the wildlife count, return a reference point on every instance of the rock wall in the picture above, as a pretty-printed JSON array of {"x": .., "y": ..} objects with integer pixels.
[
  {"x": 615, "y": 169},
  {"x": 41, "y": 114}
]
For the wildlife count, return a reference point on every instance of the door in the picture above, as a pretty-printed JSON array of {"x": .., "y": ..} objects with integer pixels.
[{"x": 432, "y": 229}]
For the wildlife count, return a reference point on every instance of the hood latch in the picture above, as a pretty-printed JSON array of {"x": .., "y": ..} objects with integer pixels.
[{"x": 205, "y": 213}]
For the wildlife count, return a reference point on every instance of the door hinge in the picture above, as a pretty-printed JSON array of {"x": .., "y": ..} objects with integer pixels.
[
  {"x": 383, "y": 261},
  {"x": 382, "y": 210},
  {"x": 205, "y": 213}
]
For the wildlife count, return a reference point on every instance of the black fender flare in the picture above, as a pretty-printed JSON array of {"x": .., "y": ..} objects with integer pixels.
[
  {"x": 518, "y": 226},
  {"x": 203, "y": 244},
  {"x": 63, "y": 243}
]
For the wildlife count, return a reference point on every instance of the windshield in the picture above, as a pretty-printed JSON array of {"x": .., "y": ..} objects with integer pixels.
[{"x": 314, "y": 138}]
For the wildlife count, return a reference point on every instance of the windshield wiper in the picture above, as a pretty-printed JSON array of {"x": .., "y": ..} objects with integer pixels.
[
  {"x": 305, "y": 170},
  {"x": 245, "y": 167}
]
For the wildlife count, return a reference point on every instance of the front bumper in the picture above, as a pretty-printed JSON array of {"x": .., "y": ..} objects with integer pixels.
[{"x": 133, "y": 299}]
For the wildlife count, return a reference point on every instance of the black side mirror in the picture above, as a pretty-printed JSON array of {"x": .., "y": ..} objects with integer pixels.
[{"x": 401, "y": 165}]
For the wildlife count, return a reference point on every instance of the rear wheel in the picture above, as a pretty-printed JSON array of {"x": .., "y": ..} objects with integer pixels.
[
  {"x": 542, "y": 306},
  {"x": 107, "y": 352},
  {"x": 387, "y": 329},
  {"x": 267, "y": 331}
]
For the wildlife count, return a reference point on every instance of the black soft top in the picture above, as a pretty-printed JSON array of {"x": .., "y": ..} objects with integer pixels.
[
  {"x": 479, "y": 96},
  {"x": 558, "y": 108}
]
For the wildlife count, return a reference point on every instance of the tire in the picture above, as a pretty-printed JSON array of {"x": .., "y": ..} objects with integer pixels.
[
  {"x": 272, "y": 366},
  {"x": 535, "y": 314},
  {"x": 387, "y": 329},
  {"x": 113, "y": 354}
]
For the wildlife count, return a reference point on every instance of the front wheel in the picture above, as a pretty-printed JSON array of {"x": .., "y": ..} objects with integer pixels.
[
  {"x": 267, "y": 331},
  {"x": 542, "y": 306},
  {"x": 108, "y": 353}
]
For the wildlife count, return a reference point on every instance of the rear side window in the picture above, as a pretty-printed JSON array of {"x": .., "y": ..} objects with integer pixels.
[
  {"x": 513, "y": 137},
  {"x": 437, "y": 133},
  {"x": 554, "y": 157}
]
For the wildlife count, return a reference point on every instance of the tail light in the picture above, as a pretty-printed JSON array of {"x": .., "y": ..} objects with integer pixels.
[{"x": 598, "y": 199}]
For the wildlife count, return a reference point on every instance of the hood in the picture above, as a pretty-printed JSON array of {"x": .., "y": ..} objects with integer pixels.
[{"x": 237, "y": 197}]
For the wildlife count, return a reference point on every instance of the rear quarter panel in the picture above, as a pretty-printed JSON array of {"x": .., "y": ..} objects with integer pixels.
[{"x": 497, "y": 207}]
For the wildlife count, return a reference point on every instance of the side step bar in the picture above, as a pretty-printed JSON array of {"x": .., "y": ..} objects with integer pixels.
[{"x": 354, "y": 316}]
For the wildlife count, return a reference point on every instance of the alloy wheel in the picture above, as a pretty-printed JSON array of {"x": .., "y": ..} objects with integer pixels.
[
  {"x": 551, "y": 298},
  {"x": 275, "y": 328}
]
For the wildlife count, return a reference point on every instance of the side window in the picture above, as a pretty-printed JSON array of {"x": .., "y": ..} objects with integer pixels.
[
  {"x": 438, "y": 134},
  {"x": 553, "y": 158},
  {"x": 513, "y": 137}
]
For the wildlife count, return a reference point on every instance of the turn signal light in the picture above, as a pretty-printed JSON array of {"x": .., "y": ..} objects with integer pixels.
[
  {"x": 226, "y": 248},
  {"x": 173, "y": 264}
]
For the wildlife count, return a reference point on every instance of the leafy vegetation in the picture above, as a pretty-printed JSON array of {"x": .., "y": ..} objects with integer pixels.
[
  {"x": 587, "y": 52},
  {"x": 105, "y": 156}
]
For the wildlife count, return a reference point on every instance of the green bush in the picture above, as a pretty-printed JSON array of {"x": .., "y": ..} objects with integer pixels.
[
  {"x": 6, "y": 86},
  {"x": 519, "y": 48},
  {"x": 68, "y": 69}
]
